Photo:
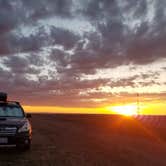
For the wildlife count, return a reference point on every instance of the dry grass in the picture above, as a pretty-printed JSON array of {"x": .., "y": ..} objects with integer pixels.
[{"x": 87, "y": 140}]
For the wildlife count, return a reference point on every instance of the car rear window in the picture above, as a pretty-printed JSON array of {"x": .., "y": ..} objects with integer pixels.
[{"x": 11, "y": 111}]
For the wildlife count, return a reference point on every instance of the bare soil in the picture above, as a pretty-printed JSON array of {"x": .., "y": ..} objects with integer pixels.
[{"x": 92, "y": 140}]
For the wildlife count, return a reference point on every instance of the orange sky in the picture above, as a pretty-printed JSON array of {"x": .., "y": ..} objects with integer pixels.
[{"x": 145, "y": 108}]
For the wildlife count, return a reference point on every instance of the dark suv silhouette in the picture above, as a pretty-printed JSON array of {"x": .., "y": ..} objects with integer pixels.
[{"x": 15, "y": 128}]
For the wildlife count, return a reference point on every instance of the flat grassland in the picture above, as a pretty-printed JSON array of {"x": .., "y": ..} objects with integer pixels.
[{"x": 92, "y": 140}]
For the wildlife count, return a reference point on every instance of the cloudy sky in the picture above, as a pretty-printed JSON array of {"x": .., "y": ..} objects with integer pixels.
[{"x": 75, "y": 53}]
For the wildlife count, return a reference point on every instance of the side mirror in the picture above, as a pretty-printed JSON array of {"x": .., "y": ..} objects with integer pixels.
[{"x": 28, "y": 115}]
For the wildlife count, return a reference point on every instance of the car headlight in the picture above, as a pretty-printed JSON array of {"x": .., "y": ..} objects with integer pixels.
[{"x": 26, "y": 127}]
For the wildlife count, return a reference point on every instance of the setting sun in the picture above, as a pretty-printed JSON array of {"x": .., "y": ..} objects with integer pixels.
[{"x": 127, "y": 110}]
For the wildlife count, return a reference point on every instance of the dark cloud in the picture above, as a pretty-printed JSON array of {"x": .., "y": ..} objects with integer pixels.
[
  {"x": 63, "y": 37},
  {"x": 150, "y": 75},
  {"x": 8, "y": 19},
  {"x": 45, "y": 8},
  {"x": 143, "y": 44},
  {"x": 61, "y": 59},
  {"x": 25, "y": 13},
  {"x": 48, "y": 60},
  {"x": 126, "y": 82},
  {"x": 4, "y": 45},
  {"x": 17, "y": 64}
]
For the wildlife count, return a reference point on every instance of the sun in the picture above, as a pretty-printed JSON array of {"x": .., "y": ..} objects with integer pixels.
[{"x": 127, "y": 110}]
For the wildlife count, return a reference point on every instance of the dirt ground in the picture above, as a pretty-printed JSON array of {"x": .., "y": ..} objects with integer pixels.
[{"x": 91, "y": 140}]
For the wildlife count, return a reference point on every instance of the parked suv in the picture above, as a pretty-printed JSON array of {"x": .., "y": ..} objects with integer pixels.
[{"x": 15, "y": 128}]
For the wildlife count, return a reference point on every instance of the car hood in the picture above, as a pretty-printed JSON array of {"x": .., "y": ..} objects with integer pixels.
[{"x": 18, "y": 122}]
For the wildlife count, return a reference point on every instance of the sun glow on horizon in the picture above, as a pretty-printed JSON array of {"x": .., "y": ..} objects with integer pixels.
[{"x": 127, "y": 110}]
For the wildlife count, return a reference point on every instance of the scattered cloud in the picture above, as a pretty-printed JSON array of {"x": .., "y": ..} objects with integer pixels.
[{"x": 68, "y": 51}]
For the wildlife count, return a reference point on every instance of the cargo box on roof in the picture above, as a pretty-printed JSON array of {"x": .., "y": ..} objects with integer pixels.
[{"x": 3, "y": 96}]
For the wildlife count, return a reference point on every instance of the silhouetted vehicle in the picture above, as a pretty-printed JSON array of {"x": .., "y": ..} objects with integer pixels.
[{"x": 15, "y": 128}]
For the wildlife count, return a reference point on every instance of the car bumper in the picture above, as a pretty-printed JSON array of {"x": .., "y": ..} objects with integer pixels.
[{"x": 17, "y": 139}]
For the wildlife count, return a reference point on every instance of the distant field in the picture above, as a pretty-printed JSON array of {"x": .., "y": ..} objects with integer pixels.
[{"x": 92, "y": 140}]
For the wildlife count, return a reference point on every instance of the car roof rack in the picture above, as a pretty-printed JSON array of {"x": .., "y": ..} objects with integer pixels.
[
  {"x": 16, "y": 102},
  {"x": 10, "y": 103}
]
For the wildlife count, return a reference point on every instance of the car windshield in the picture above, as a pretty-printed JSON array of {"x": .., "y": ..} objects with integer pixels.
[{"x": 11, "y": 111}]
